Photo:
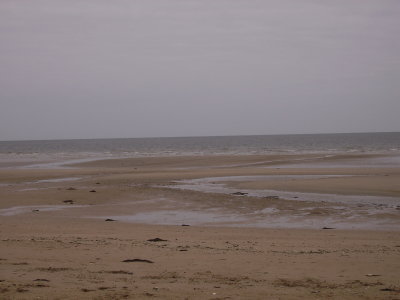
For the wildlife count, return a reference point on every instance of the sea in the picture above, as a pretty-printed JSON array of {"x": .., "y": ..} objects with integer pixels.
[{"x": 374, "y": 143}]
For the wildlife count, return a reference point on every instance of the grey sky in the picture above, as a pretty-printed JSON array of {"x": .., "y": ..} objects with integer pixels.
[{"x": 137, "y": 68}]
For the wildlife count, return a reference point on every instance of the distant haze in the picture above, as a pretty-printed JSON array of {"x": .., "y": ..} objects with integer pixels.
[{"x": 145, "y": 68}]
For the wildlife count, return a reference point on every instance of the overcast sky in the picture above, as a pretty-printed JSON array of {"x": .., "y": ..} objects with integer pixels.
[{"x": 146, "y": 68}]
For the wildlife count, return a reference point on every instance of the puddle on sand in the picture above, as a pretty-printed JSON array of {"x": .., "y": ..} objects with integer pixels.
[
  {"x": 33, "y": 189},
  {"x": 60, "y": 163},
  {"x": 17, "y": 210},
  {"x": 389, "y": 161},
  {"x": 58, "y": 180},
  {"x": 267, "y": 218},
  {"x": 330, "y": 210},
  {"x": 218, "y": 185},
  {"x": 179, "y": 217},
  {"x": 50, "y": 180}
]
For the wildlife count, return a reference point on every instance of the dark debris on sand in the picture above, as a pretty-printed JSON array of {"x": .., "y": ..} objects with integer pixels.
[
  {"x": 139, "y": 260},
  {"x": 157, "y": 240},
  {"x": 239, "y": 194}
]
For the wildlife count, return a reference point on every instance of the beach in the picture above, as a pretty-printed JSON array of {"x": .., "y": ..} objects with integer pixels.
[
  {"x": 199, "y": 150},
  {"x": 277, "y": 226}
]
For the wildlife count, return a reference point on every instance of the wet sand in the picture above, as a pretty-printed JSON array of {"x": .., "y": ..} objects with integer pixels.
[{"x": 256, "y": 229}]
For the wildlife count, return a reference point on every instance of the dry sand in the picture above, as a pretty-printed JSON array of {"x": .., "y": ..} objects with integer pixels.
[{"x": 56, "y": 244}]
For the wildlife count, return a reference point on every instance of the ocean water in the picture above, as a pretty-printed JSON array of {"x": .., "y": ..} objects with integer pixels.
[{"x": 379, "y": 143}]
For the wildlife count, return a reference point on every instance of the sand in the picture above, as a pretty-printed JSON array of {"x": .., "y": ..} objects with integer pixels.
[{"x": 57, "y": 244}]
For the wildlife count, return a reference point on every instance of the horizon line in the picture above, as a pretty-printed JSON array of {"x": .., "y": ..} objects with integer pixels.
[{"x": 194, "y": 136}]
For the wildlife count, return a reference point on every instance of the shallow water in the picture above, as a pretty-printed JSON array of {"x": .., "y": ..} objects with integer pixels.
[
  {"x": 338, "y": 211},
  {"x": 266, "y": 218},
  {"x": 61, "y": 163},
  {"x": 65, "y": 179},
  {"x": 390, "y": 161},
  {"x": 17, "y": 210},
  {"x": 179, "y": 217},
  {"x": 217, "y": 185}
]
